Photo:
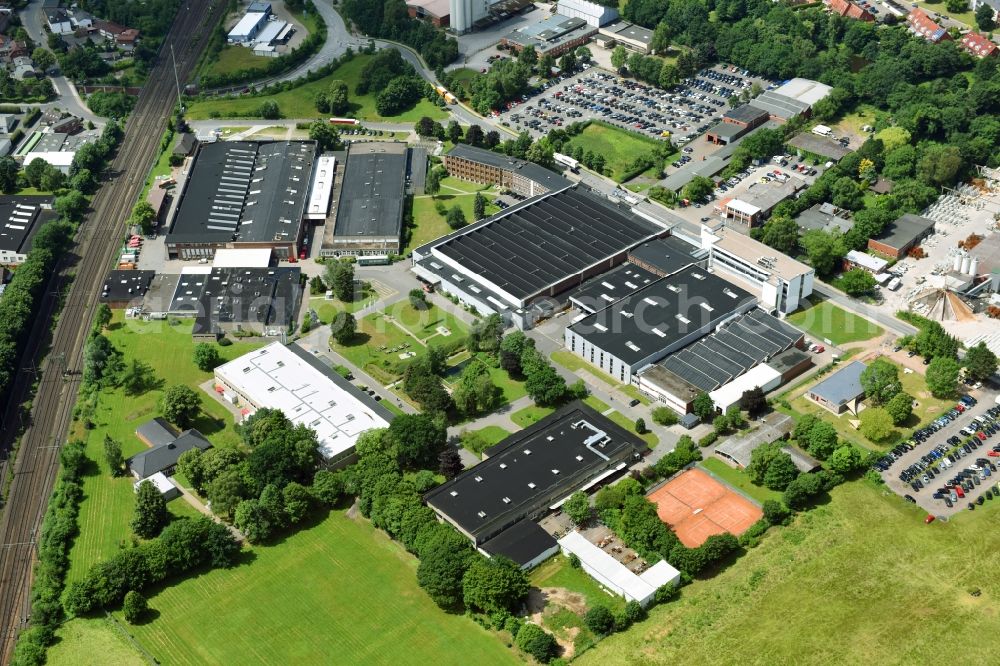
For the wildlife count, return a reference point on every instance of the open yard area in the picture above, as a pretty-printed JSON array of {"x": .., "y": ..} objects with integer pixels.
[
  {"x": 826, "y": 321},
  {"x": 370, "y": 348},
  {"x": 429, "y": 224},
  {"x": 299, "y": 102},
  {"x": 619, "y": 147},
  {"x": 234, "y": 58},
  {"x": 863, "y": 565},
  {"x": 927, "y": 408},
  {"x": 529, "y": 415},
  {"x": 108, "y": 503},
  {"x": 431, "y": 324},
  {"x": 335, "y": 592},
  {"x": 650, "y": 438}
]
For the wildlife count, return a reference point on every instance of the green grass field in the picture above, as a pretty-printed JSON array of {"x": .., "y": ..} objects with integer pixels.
[
  {"x": 859, "y": 580},
  {"x": 529, "y": 415},
  {"x": 650, "y": 438},
  {"x": 337, "y": 592},
  {"x": 490, "y": 435},
  {"x": 233, "y": 58},
  {"x": 364, "y": 351},
  {"x": 738, "y": 480},
  {"x": 596, "y": 404},
  {"x": 108, "y": 503},
  {"x": 619, "y": 147},
  {"x": 299, "y": 102},
  {"x": 428, "y": 224},
  {"x": 424, "y": 324},
  {"x": 557, "y": 572},
  {"x": 826, "y": 321},
  {"x": 93, "y": 642},
  {"x": 928, "y": 408}
]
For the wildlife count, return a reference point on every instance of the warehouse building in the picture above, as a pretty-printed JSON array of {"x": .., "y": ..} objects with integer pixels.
[
  {"x": 290, "y": 379},
  {"x": 842, "y": 391},
  {"x": 247, "y": 27},
  {"x": 125, "y": 288},
  {"x": 825, "y": 217},
  {"x": 633, "y": 37},
  {"x": 318, "y": 206},
  {"x": 793, "y": 98},
  {"x": 600, "y": 292},
  {"x": 552, "y": 36},
  {"x": 749, "y": 206},
  {"x": 725, "y": 362},
  {"x": 20, "y": 219},
  {"x": 438, "y": 12},
  {"x": 735, "y": 123},
  {"x": 782, "y": 282},
  {"x": 369, "y": 218},
  {"x": 872, "y": 264},
  {"x": 516, "y": 261},
  {"x": 898, "y": 237},
  {"x": 486, "y": 167},
  {"x": 594, "y": 13},
  {"x": 615, "y": 576},
  {"x": 242, "y": 194},
  {"x": 654, "y": 321},
  {"x": 533, "y": 472},
  {"x": 224, "y": 300},
  {"x": 665, "y": 256}
]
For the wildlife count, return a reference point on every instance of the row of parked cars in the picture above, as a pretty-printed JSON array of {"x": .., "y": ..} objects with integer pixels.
[{"x": 920, "y": 436}]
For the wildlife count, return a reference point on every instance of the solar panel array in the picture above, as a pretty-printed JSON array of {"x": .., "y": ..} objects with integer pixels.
[
  {"x": 731, "y": 351},
  {"x": 546, "y": 241}
]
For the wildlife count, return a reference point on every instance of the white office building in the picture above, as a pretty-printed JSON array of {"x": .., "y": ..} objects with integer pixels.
[
  {"x": 593, "y": 13},
  {"x": 781, "y": 282}
]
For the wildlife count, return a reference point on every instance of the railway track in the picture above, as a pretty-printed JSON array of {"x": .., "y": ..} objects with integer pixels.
[{"x": 97, "y": 241}]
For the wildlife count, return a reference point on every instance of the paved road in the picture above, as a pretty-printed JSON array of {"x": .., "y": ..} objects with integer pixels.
[
  {"x": 887, "y": 321},
  {"x": 32, "y": 18}
]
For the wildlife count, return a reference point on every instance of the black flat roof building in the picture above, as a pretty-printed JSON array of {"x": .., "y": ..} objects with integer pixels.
[
  {"x": 538, "y": 248},
  {"x": 20, "y": 219},
  {"x": 227, "y": 299},
  {"x": 667, "y": 255},
  {"x": 370, "y": 208},
  {"x": 243, "y": 193},
  {"x": 123, "y": 287},
  {"x": 603, "y": 290},
  {"x": 533, "y": 469},
  {"x": 650, "y": 323}
]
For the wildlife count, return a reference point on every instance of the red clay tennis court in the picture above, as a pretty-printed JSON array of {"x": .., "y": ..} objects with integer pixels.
[{"x": 696, "y": 506}]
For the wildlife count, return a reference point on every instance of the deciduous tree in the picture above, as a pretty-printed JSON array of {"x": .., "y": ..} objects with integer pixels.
[{"x": 150, "y": 511}]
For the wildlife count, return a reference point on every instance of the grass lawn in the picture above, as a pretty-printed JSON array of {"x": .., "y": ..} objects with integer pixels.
[
  {"x": 108, "y": 503},
  {"x": 525, "y": 417},
  {"x": 928, "y": 408},
  {"x": 299, "y": 102},
  {"x": 328, "y": 309},
  {"x": 364, "y": 351},
  {"x": 424, "y": 324},
  {"x": 633, "y": 392},
  {"x": 232, "y": 59},
  {"x": 572, "y": 362},
  {"x": 619, "y": 147},
  {"x": 863, "y": 114},
  {"x": 596, "y": 404},
  {"x": 558, "y": 572},
  {"x": 650, "y": 438},
  {"x": 794, "y": 598},
  {"x": 338, "y": 588},
  {"x": 490, "y": 435},
  {"x": 427, "y": 224},
  {"x": 92, "y": 642},
  {"x": 826, "y": 321},
  {"x": 739, "y": 480},
  {"x": 512, "y": 388}
]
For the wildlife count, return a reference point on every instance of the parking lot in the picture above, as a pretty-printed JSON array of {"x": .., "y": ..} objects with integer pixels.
[
  {"x": 681, "y": 113},
  {"x": 918, "y": 469}
]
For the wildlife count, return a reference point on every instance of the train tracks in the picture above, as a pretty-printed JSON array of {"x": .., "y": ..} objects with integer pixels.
[{"x": 96, "y": 244}]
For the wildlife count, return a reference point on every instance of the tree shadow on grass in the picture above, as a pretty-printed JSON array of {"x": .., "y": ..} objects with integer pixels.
[
  {"x": 314, "y": 519},
  {"x": 207, "y": 424}
]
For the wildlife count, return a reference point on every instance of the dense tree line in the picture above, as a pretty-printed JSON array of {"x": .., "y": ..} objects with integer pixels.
[
  {"x": 28, "y": 90},
  {"x": 390, "y": 20},
  {"x": 111, "y": 104},
  {"x": 59, "y": 528},
  {"x": 393, "y": 81}
]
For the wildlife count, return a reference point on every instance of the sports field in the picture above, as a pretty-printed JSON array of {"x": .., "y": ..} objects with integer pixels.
[
  {"x": 337, "y": 592},
  {"x": 826, "y": 321},
  {"x": 858, "y": 580},
  {"x": 696, "y": 506}
]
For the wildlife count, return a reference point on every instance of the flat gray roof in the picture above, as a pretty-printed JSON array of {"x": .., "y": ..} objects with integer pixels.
[
  {"x": 20, "y": 219},
  {"x": 371, "y": 199},
  {"x": 905, "y": 230},
  {"x": 843, "y": 385}
]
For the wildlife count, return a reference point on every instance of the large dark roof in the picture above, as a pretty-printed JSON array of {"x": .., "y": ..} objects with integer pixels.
[
  {"x": 905, "y": 230},
  {"x": 157, "y": 432},
  {"x": 603, "y": 290},
  {"x": 371, "y": 199},
  {"x": 528, "y": 248},
  {"x": 662, "y": 314},
  {"x": 126, "y": 285},
  {"x": 667, "y": 255},
  {"x": 549, "y": 458},
  {"x": 264, "y": 296},
  {"x": 20, "y": 219},
  {"x": 164, "y": 456},
  {"x": 522, "y": 542},
  {"x": 746, "y": 114},
  {"x": 539, "y": 174},
  {"x": 244, "y": 191},
  {"x": 732, "y": 350}
]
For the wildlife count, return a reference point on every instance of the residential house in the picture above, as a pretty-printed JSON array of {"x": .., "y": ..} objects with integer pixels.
[
  {"x": 979, "y": 45},
  {"x": 923, "y": 25}
]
